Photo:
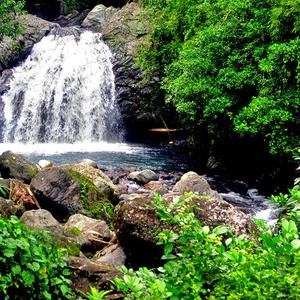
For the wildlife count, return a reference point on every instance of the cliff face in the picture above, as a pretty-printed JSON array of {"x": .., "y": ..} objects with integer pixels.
[{"x": 123, "y": 32}]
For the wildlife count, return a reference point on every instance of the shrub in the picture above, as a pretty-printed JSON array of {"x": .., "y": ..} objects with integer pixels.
[
  {"x": 31, "y": 267},
  {"x": 201, "y": 263}
]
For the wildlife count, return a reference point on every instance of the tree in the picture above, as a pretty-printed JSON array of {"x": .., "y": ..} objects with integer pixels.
[
  {"x": 230, "y": 67},
  {"x": 9, "y": 25}
]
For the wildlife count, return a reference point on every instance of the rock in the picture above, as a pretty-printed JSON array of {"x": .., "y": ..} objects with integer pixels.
[
  {"x": 112, "y": 255},
  {"x": 123, "y": 32},
  {"x": 86, "y": 273},
  {"x": 88, "y": 162},
  {"x": 74, "y": 18},
  {"x": 153, "y": 185},
  {"x": 91, "y": 234},
  {"x": 40, "y": 219},
  {"x": 99, "y": 179},
  {"x": 192, "y": 182},
  {"x": 8, "y": 209},
  {"x": 137, "y": 224},
  {"x": 43, "y": 220},
  {"x": 98, "y": 16},
  {"x": 57, "y": 192},
  {"x": 15, "y": 166},
  {"x": 143, "y": 177},
  {"x": 45, "y": 164},
  {"x": 13, "y": 51}
]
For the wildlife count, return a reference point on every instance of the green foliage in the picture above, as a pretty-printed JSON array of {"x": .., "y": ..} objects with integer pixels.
[
  {"x": 9, "y": 26},
  {"x": 31, "y": 267},
  {"x": 4, "y": 191},
  {"x": 96, "y": 295},
  {"x": 201, "y": 263},
  {"x": 229, "y": 65}
]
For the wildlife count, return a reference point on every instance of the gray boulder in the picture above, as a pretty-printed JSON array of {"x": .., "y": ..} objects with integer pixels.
[
  {"x": 15, "y": 166},
  {"x": 8, "y": 209},
  {"x": 98, "y": 16},
  {"x": 143, "y": 177}
]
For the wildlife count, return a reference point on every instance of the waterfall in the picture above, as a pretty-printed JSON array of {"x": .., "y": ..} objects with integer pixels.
[{"x": 63, "y": 92}]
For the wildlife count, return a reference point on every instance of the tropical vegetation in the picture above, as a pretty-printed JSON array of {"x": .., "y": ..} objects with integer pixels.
[
  {"x": 229, "y": 67},
  {"x": 9, "y": 25}
]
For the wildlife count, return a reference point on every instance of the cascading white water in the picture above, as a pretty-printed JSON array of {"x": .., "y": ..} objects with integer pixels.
[{"x": 63, "y": 92}]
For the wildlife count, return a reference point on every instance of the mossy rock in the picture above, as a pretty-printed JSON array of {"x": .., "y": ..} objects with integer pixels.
[
  {"x": 15, "y": 166},
  {"x": 92, "y": 198}
]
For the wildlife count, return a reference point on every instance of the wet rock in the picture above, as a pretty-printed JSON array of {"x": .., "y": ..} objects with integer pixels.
[
  {"x": 112, "y": 255},
  {"x": 15, "y": 166},
  {"x": 143, "y": 177},
  {"x": 98, "y": 16}
]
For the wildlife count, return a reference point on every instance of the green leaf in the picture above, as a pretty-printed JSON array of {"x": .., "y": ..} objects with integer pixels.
[
  {"x": 295, "y": 244},
  {"x": 220, "y": 230},
  {"x": 168, "y": 248},
  {"x": 16, "y": 270},
  {"x": 8, "y": 252},
  {"x": 28, "y": 277}
]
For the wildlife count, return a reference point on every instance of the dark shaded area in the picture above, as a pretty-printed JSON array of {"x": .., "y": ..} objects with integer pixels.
[{"x": 50, "y": 9}]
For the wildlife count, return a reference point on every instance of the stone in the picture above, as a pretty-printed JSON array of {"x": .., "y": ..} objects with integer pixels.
[
  {"x": 74, "y": 18},
  {"x": 87, "y": 273},
  {"x": 45, "y": 164},
  {"x": 12, "y": 51},
  {"x": 192, "y": 182},
  {"x": 99, "y": 179},
  {"x": 8, "y": 209},
  {"x": 137, "y": 224},
  {"x": 41, "y": 219},
  {"x": 153, "y": 185},
  {"x": 123, "y": 32},
  {"x": 143, "y": 177},
  {"x": 15, "y": 166},
  {"x": 88, "y": 162},
  {"x": 98, "y": 16},
  {"x": 113, "y": 255},
  {"x": 57, "y": 192}
]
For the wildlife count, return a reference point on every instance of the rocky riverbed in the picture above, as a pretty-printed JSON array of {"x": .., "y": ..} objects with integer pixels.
[{"x": 105, "y": 219}]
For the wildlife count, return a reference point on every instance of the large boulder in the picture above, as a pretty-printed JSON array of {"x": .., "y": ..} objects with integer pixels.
[
  {"x": 98, "y": 16},
  {"x": 99, "y": 179},
  {"x": 137, "y": 224},
  {"x": 12, "y": 51},
  {"x": 15, "y": 166},
  {"x": 123, "y": 32},
  {"x": 87, "y": 273},
  {"x": 57, "y": 192},
  {"x": 143, "y": 177}
]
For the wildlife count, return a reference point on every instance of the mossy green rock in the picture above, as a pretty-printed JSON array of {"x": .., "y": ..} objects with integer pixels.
[{"x": 15, "y": 166}]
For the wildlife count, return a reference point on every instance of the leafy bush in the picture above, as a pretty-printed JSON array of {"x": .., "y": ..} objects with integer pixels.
[
  {"x": 201, "y": 263},
  {"x": 31, "y": 267},
  {"x": 9, "y": 26}
]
